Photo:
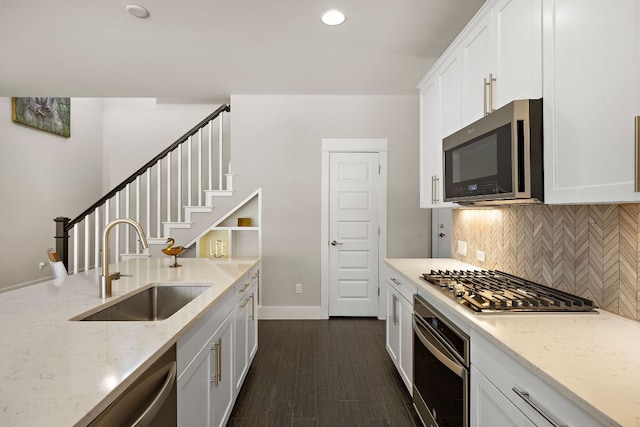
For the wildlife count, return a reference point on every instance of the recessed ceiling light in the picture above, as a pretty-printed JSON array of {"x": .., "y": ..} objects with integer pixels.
[
  {"x": 333, "y": 17},
  {"x": 137, "y": 11}
]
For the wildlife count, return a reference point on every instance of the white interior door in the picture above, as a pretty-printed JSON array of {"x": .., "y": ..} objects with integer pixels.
[{"x": 353, "y": 233}]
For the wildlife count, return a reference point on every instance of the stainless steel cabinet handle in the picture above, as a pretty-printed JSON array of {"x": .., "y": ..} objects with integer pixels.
[
  {"x": 255, "y": 276},
  {"x": 637, "y": 146},
  {"x": 397, "y": 282},
  {"x": 245, "y": 302},
  {"x": 334, "y": 243},
  {"x": 214, "y": 364},
  {"x": 393, "y": 305},
  {"x": 395, "y": 310},
  {"x": 487, "y": 89},
  {"x": 492, "y": 80},
  {"x": 527, "y": 398},
  {"x": 253, "y": 307},
  {"x": 152, "y": 410},
  {"x": 216, "y": 376},
  {"x": 442, "y": 235},
  {"x": 244, "y": 288},
  {"x": 435, "y": 190},
  {"x": 219, "y": 360}
]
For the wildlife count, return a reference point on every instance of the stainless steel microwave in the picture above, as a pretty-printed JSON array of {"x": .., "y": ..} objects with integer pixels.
[{"x": 497, "y": 159}]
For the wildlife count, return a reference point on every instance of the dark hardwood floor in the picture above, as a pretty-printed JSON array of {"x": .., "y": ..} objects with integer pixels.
[{"x": 323, "y": 373}]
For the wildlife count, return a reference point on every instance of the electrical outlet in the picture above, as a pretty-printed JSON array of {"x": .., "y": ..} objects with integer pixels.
[
  {"x": 480, "y": 256},
  {"x": 462, "y": 248},
  {"x": 41, "y": 265},
  {"x": 298, "y": 288}
]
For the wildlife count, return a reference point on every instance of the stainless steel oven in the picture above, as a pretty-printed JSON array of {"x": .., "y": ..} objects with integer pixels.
[{"x": 440, "y": 368}]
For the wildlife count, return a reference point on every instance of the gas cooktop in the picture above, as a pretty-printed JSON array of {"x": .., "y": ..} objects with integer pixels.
[{"x": 492, "y": 291}]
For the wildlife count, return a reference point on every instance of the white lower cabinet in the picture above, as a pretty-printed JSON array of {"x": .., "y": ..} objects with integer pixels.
[
  {"x": 489, "y": 407},
  {"x": 505, "y": 393},
  {"x": 399, "y": 334},
  {"x": 214, "y": 356},
  {"x": 393, "y": 325},
  {"x": 206, "y": 387},
  {"x": 246, "y": 335}
]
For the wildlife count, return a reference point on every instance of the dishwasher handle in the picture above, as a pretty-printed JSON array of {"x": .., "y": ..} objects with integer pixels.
[{"x": 154, "y": 407}]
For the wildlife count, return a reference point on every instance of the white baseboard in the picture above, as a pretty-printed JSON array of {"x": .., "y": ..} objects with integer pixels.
[
  {"x": 23, "y": 285},
  {"x": 289, "y": 313}
]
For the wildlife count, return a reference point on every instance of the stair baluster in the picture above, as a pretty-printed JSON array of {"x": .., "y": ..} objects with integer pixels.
[{"x": 86, "y": 229}]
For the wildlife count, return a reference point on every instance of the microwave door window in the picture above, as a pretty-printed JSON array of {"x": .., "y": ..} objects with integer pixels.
[
  {"x": 480, "y": 167},
  {"x": 477, "y": 160}
]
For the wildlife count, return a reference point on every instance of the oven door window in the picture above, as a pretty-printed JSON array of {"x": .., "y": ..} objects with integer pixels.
[
  {"x": 482, "y": 166},
  {"x": 443, "y": 391}
]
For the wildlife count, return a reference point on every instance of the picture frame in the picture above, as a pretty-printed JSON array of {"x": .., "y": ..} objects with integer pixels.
[{"x": 47, "y": 114}]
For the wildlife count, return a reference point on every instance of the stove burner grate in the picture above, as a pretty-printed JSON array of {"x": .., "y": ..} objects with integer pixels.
[{"x": 495, "y": 291}]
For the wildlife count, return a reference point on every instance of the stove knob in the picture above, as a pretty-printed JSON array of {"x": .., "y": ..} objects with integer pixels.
[{"x": 459, "y": 291}]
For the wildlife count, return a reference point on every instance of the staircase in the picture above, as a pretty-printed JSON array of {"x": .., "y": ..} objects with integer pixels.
[{"x": 179, "y": 193}]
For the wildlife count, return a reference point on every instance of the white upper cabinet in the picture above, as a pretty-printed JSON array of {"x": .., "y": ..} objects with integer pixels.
[
  {"x": 450, "y": 104},
  {"x": 430, "y": 160},
  {"x": 591, "y": 97},
  {"x": 476, "y": 55},
  {"x": 517, "y": 60},
  {"x": 502, "y": 56},
  {"x": 440, "y": 112}
]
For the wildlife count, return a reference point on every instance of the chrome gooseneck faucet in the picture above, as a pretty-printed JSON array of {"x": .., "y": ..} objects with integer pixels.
[{"x": 106, "y": 278}]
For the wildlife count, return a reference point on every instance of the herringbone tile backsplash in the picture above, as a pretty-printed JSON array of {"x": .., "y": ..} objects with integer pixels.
[{"x": 592, "y": 251}]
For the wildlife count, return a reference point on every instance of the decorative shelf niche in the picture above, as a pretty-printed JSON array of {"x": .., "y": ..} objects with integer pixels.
[{"x": 237, "y": 240}]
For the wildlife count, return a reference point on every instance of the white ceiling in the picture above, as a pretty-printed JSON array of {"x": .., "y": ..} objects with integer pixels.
[{"x": 211, "y": 48}]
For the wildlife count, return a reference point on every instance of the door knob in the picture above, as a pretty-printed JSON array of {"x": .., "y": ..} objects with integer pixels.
[
  {"x": 333, "y": 243},
  {"x": 441, "y": 234}
]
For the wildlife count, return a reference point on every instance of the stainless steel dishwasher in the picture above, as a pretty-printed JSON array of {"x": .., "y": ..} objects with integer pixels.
[{"x": 150, "y": 401}]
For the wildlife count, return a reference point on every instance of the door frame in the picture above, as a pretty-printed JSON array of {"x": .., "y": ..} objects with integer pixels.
[{"x": 351, "y": 145}]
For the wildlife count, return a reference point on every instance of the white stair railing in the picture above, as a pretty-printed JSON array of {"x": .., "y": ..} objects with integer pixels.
[{"x": 158, "y": 196}]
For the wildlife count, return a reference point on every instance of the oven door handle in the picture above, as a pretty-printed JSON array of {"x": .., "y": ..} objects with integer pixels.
[{"x": 438, "y": 350}]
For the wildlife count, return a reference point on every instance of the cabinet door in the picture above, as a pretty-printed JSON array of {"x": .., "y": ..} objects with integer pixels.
[
  {"x": 194, "y": 389},
  {"x": 490, "y": 408},
  {"x": 405, "y": 365},
  {"x": 591, "y": 95},
  {"x": 240, "y": 366},
  {"x": 450, "y": 104},
  {"x": 393, "y": 324},
  {"x": 252, "y": 328},
  {"x": 517, "y": 54},
  {"x": 430, "y": 143},
  {"x": 431, "y": 122},
  {"x": 222, "y": 389},
  {"x": 476, "y": 59}
]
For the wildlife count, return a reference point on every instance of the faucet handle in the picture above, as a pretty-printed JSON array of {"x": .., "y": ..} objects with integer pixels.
[{"x": 117, "y": 275}]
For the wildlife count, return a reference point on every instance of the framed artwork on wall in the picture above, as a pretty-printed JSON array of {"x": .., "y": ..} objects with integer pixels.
[{"x": 47, "y": 114}]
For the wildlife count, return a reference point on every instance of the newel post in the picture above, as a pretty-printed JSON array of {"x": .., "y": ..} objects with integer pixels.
[{"x": 62, "y": 239}]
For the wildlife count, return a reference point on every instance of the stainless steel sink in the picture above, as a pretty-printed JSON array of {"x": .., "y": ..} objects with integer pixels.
[{"x": 157, "y": 302}]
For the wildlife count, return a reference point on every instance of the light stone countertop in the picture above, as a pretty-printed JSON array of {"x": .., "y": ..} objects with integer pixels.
[
  {"x": 592, "y": 359},
  {"x": 57, "y": 372}
]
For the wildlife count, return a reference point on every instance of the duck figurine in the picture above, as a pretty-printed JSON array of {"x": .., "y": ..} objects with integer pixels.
[{"x": 174, "y": 251}]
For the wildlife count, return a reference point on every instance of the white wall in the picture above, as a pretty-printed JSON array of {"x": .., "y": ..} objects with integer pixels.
[
  {"x": 276, "y": 146},
  {"x": 276, "y": 143},
  {"x": 137, "y": 129},
  {"x": 44, "y": 176}
]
